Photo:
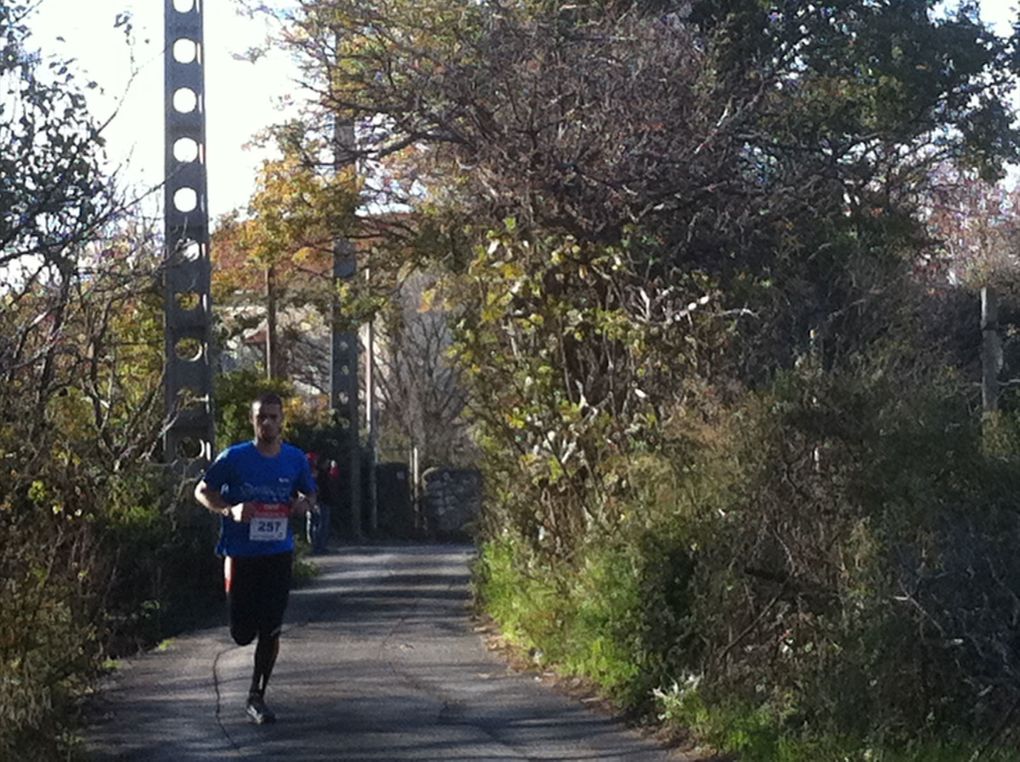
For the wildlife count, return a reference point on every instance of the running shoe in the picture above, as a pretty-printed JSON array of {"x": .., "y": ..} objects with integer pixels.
[{"x": 257, "y": 710}]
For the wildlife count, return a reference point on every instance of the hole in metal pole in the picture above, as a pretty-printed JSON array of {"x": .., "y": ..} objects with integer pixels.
[
  {"x": 188, "y": 300},
  {"x": 188, "y": 349},
  {"x": 185, "y": 200},
  {"x": 185, "y": 50},
  {"x": 187, "y": 251},
  {"x": 184, "y": 6},
  {"x": 186, "y": 150},
  {"x": 190, "y": 400},
  {"x": 185, "y": 100},
  {"x": 190, "y": 448}
]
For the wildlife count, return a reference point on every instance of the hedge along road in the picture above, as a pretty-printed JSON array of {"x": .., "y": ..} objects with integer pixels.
[{"x": 378, "y": 661}]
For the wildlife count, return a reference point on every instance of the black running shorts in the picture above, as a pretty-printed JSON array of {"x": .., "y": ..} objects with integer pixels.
[{"x": 257, "y": 590}]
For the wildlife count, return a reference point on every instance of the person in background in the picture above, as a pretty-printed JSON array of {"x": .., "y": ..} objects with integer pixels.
[
  {"x": 255, "y": 487},
  {"x": 326, "y": 473}
]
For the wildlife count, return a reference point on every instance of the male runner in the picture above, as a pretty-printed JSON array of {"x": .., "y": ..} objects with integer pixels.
[{"x": 256, "y": 486}]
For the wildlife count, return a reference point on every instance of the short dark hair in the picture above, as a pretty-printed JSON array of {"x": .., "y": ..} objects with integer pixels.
[{"x": 268, "y": 398}]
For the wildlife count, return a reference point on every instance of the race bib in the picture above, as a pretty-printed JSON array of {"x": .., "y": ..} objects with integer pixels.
[{"x": 269, "y": 524}]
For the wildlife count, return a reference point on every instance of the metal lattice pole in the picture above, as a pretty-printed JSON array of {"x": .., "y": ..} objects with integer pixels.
[
  {"x": 343, "y": 392},
  {"x": 344, "y": 386},
  {"x": 189, "y": 437},
  {"x": 991, "y": 351}
]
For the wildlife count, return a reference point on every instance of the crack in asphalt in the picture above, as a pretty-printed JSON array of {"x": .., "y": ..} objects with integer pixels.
[
  {"x": 219, "y": 695},
  {"x": 219, "y": 700},
  {"x": 450, "y": 705}
]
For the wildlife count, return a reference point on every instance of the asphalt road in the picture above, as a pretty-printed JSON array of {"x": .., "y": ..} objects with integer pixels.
[{"x": 379, "y": 661}]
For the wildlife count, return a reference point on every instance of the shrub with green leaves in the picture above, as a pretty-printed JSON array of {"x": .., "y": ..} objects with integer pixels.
[
  {"x": 809, "y": 578},
  {"x": 49, "y": 633}
]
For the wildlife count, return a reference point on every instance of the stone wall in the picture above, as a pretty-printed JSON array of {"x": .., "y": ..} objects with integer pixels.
[{"x": 451, "y": 500}]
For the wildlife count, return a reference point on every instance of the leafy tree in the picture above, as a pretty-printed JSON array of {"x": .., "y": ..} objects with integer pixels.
[
  {"x": 60, "y": 197},
  {"x": 735, "y": 141},
  {"x": 281, "y": 253},
  {"x": 749, "y": 161}
]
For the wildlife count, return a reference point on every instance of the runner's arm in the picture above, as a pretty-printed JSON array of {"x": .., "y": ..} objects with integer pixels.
[
  {"x": 303, "y": 503},
  {"x": 213, "y": 501},
  {"x": 304, "y": 499}
]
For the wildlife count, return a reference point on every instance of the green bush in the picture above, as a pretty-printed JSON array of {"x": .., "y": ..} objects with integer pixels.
[
  {"x": 49, "y": 634},
  {"x": 85, "y": 576},
  {"x": 163, "y": 574},
  {"x": 591, "y": 624},
  {"x": 602, "y": 634},
  {"x": 833, "y": 564},
  {"x": 863, "y": 581},
  {"x": 517, "y": 592}
]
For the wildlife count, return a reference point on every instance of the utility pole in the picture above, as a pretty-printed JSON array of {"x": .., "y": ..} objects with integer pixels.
[
  {"x": 371, "y": 430},
  {"x": 991, "y": 351},
  {"x": 343, "y": 392},
  {"x": 274, "y": 364},
  {"x": 189, "y": 438}
]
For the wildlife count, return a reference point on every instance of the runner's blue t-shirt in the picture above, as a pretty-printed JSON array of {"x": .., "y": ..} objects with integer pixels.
[{"x": 242, "y": 474}]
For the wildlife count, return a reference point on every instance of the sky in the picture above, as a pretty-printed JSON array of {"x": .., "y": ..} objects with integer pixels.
[
  {"x": 999, "y": 13},
  {"x": 241, "y": 97}
]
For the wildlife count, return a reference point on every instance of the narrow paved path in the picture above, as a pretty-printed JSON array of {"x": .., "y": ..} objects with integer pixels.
[{"x": 378, "y": 661}]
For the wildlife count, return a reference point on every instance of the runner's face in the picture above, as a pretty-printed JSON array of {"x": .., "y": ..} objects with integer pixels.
[{"x": 268, "y": 422}]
